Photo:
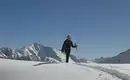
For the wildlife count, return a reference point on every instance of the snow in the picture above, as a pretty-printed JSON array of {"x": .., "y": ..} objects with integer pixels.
[
  {"x": 122, "y": 68},
  {"x": 29, "y": 70},
  {"x": 121, "y": 71}
]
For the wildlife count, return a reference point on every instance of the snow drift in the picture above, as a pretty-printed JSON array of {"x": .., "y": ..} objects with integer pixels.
[{"x": 29, "y": 70}]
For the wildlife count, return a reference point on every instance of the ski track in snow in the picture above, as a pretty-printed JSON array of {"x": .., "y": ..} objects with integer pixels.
[
  {"x": 29, "y": 70},
  {"x": 109, "y": 71}
]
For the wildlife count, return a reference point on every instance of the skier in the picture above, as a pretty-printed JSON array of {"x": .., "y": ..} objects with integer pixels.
[{"x": 66, "y": 47}]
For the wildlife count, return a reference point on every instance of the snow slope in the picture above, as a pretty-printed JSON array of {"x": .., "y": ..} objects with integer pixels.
[
  {"x": 122, "y": 68},
  {"x": 121, "y": 71},
  {"x": 28, "y": 70}
]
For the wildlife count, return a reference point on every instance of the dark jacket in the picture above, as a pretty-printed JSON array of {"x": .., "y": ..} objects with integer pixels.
[{"x": 67, "y": 46}]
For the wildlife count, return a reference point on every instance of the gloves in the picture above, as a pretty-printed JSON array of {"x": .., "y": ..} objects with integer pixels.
[{"x": 76, "y": 45}]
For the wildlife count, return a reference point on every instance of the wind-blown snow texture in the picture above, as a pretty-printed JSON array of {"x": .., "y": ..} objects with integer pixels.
[
  {"x": 37, "y": 52},
  {"x": 121, "y": 71},
  {"x": 28, "y": 70}
]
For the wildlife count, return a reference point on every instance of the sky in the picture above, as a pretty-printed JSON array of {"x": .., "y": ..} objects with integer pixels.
[{"x": 99, "y": 27}]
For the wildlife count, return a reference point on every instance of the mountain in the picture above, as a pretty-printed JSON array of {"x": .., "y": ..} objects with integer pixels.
[
  {"x": 37, "y": 52},
  {"x": 6, "y": 52},
  {"x": 123, "y": 57},
  {"x": 101, "y": 59},
  {"x": 75, "y": 59}
]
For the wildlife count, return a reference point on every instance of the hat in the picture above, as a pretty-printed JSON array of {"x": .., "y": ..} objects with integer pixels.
[{"x": 68, "y": 37}]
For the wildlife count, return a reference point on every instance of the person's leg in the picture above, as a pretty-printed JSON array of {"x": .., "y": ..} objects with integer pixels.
[
  {"x": 67, "y": 55},
  {"x": 67, "y": 58}
]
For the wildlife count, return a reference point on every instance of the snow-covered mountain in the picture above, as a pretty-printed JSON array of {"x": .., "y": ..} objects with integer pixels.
[
  {"x": 37, "y": 52},
  {"x": 101, "y": 59},
  {"x": 123, "y": 57}
]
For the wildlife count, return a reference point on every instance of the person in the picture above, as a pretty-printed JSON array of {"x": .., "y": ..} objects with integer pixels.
[{"x": 66, "y": 47}]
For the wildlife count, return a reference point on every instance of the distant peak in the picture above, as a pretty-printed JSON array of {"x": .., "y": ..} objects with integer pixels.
[
  {"x": 128, "y": 50},
  {"x": 36, "y": 44}
]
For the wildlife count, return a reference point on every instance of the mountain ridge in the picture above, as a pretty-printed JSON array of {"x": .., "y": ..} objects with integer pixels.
[
  {"x": 123, "y": 57},
  {"x": 37, "y": 52}
]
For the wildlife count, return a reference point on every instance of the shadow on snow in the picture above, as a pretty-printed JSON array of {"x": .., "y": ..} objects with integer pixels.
[{"x": 45, "y": 63}]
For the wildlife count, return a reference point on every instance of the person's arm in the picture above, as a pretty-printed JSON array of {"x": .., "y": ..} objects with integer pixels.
[
  {"x": 74, "y": 46},
  {"x": 63, "y": 47}
]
